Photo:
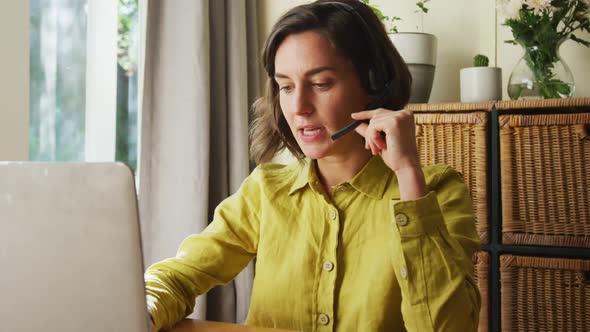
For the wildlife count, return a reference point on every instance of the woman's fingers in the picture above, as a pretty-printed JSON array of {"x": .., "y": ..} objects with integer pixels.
[
  {"x": 375, "y": 141},
  {"x": 391, "y": 135},
  {"x": 375, "y": 148},
  {"x": 381, "y": 121},
  {"x": 361, "y": 129},
  {"x": 377, "y": 137},
  {"x": 364, "y": 130},
  {"x": 365, "y": 115},
  {"x": 372, "y": 133}
]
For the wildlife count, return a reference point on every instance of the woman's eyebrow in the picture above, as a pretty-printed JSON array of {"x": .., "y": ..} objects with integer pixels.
[{"x": 310, "y": 72}]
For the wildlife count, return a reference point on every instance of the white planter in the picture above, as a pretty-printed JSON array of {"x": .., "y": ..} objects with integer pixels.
[
  {"x": 480, "y": 84},
  {"x": 419, "y": 52}
]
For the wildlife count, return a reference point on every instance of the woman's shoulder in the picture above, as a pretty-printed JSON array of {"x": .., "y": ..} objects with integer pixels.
[
  {"x": 276, "y": 175},
  {"x": 275, "y": 169}
]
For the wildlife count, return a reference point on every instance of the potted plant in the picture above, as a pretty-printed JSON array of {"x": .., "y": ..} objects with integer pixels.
[
  {"x": 418, "y": 49},
  {"x": 541, "y": 27},
  {"x": 480, "y": 82}
]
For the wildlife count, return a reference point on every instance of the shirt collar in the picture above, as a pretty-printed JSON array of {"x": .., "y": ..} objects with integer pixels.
[
  {"x": 304, "y": 177},
  {"x": 371, "y": 180}
]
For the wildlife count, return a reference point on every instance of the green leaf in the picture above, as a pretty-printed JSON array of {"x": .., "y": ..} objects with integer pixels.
[
  {"x": 518, "y": 92},
  {"x": 420, "y": 5},
  {"x": 546, "y": 92},
  {"x": 563, "y": 89}
]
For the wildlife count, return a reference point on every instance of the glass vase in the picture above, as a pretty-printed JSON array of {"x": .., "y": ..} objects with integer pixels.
[{"x": 541, "y": 73}]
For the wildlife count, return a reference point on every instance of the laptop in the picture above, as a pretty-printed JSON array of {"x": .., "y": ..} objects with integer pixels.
[{"x": 70, "y": 248}]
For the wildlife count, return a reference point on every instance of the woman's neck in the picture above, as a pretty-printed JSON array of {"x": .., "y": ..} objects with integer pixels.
[{"x": 334, "y": 170}]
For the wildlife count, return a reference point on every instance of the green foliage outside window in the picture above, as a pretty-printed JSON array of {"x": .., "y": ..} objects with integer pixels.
[{"x": 126, "y": 142}]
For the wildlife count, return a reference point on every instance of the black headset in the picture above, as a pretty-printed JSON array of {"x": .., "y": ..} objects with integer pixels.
[{"x": 377, "y": 81}]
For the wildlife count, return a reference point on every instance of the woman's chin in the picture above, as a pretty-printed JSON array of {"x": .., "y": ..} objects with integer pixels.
[
  {"x": 322, "y": 151},
  {"x": 314, "y": 153}
]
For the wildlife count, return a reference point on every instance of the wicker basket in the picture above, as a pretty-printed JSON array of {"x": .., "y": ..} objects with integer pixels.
[
  {"x": 456, "y": 134},
  {"x": 544, "y": 294},
  {"x": 545, "y": 173},
  {"x": 481, "y": 262}
]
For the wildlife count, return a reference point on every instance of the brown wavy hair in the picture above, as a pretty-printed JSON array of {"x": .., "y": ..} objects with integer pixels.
[{"x": 269, "y": 132}]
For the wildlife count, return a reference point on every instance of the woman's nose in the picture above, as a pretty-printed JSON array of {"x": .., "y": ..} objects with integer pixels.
[{"x": 301, "y": 102}]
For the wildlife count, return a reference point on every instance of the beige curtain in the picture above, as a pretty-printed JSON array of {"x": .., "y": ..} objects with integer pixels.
[{"x": 198, "y": 82}]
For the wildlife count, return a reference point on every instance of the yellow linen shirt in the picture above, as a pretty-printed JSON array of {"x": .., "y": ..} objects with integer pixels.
[{"x": 361, "y": 261}]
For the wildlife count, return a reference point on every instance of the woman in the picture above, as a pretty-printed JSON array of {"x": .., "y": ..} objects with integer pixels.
[{"x": 357, "y": 236}]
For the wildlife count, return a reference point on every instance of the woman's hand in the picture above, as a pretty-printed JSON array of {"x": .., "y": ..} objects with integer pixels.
[{"x": 393, "y": 136}]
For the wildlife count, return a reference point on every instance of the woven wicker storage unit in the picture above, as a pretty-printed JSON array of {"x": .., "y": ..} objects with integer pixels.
[
  {"x": 545, "y": 172},
  {"x": 545, "y": 294},
  {"x": 456, "y": 134},
  {"x": 481, "y": 262}
]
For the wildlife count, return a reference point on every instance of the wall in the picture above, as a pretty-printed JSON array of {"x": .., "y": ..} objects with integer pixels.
[
  {"x": 14, "y": 80},
  {"x": 464, "y": 28}
]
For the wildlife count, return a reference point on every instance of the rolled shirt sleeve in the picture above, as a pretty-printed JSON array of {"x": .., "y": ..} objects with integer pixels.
[{"x": 436, "y": 239}]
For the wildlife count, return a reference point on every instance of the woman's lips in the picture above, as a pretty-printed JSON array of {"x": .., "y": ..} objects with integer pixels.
[{"x": 309, "y": 135}]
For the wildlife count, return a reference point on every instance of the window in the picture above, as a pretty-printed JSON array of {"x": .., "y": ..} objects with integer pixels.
[
  {"x": 83, "y": 80},
  {"x": 127, "y": 74}
]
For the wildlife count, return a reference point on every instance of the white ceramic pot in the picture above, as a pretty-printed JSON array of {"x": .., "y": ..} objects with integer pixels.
[
  {"x": 480, "y": 84},
  {"x": 419, "y": 52}
]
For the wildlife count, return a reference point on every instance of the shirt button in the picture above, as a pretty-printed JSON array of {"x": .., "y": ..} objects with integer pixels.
[
  {"x": 328, "y": 266},
  {"x": 401, "y": 219},
  {"x": 403, "y": 272},
  {"x": 332, "y": 214},
  {"x": 323, "y": 319}
]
